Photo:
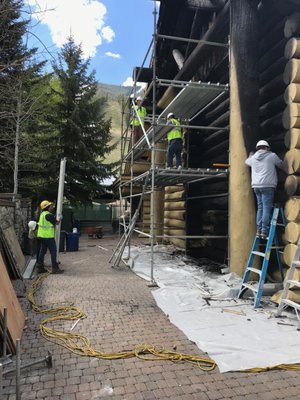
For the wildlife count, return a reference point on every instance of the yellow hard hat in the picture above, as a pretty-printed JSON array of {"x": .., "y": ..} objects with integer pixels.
[{"x": 44, "y": 204}]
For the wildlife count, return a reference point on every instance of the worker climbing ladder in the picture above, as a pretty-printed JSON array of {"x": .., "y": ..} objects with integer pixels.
[
  {"x": 284, "y": 301},
  {"x": 269, "y": 244}
]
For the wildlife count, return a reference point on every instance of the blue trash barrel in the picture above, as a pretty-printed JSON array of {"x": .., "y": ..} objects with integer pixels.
[{"x": 72, "y": 241}]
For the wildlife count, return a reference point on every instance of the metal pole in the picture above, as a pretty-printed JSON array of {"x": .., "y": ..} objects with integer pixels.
[
  {"x": 153, "y": 143},
  {"x": 4, "y": 333},
  {"x": 59, "y": 203},
  {"x": 1, "y": 381},
  {"x": 18, "y": 369}
]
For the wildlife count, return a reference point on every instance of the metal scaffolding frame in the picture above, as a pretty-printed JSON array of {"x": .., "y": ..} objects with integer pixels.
[{"x": 190, "y": 102}]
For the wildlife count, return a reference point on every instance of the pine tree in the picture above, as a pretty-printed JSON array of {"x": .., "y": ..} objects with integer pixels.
[
  {"x": 82, "y": 132},
  {"x": 19, "y": 77}
]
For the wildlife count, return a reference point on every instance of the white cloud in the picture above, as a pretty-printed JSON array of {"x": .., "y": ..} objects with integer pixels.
[
  {"x": 107, "y": 33},
  {"x": 83, "y": 19},
  {"x": 113, "y": 55},
  {"x": 140, "y": 85}
]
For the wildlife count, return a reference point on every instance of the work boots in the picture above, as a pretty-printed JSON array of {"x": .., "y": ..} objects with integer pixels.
[
  {"x": 41, "y": 269},
  {"x": 57, "y": 270}
]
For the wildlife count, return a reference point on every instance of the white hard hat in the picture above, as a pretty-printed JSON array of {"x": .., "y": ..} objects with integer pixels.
[
  {"x": 32, "y": 225},
  {"x": 170, "y": 115},
  {"x": 262, "y": 143},
  {"x": 139, "y": 98}
]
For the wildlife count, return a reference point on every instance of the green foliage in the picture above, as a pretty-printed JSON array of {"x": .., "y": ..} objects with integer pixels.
[{"x": 80, "y": 131}]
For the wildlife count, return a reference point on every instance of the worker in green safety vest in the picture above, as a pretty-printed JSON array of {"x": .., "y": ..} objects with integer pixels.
[
  {"x": 46, "y": 236},
  {"x": 175, "y": 142},
  {"x": 137, "y": 123}
]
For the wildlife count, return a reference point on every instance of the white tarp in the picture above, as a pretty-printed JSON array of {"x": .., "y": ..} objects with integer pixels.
[{"x": 235, "y": 335}]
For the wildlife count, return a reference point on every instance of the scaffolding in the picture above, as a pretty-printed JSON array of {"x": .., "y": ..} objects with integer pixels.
[{"x": 191, "y": 101}]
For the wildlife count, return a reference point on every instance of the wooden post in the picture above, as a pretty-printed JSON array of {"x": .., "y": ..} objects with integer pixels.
[{"x": 244, "y": 127}]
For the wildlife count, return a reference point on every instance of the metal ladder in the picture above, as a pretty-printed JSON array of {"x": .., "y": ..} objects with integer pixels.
[
  {"x": 128, "y": 231},
  {"x": 272, "y": 242},
  {"x": 284, "y": 302}
]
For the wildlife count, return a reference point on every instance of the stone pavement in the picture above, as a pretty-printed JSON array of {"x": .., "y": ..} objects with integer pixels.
[{"x": 121, "y": 313}]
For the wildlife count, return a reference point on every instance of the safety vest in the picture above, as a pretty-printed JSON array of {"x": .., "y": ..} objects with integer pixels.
[
  {"x": 142, "y": 114},
  {"x": 175, "y": 133},
  {"x": 46, "y": 230}
]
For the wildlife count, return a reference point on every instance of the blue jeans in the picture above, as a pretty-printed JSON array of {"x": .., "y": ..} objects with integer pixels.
[
  {"x": 265, "y": 198},
  {"x": 50, "y": 244},
  {"x": 174, "y": 149}
]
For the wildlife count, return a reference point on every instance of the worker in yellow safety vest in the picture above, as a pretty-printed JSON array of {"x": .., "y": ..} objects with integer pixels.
[
  {"x": 175, "y": 142},
  {"x": 135, "y": 123},
  {"x": 46, "y": 236}
]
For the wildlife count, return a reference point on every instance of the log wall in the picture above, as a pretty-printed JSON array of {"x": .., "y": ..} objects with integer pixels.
[{"x": 174, "y": 215}]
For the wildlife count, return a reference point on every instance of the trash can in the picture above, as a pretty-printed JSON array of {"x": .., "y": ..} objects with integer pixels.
[{"x": 72, "y": 241}]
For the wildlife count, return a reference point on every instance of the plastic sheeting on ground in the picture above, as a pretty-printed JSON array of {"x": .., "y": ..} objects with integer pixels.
[{"x": 235, "y": 335}]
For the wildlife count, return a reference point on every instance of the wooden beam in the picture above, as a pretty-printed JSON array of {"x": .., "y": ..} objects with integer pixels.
[{"x": 244, "y": 127}]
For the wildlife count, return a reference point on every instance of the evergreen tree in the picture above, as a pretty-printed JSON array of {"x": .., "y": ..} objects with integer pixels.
[
  {"x": 82, "y": 134},
  {"x": 19, "y": 77}
]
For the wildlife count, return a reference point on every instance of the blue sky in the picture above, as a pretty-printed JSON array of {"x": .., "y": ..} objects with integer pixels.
[{"x": 115, "y": 34}]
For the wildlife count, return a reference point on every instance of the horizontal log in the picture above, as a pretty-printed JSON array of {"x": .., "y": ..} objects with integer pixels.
[
  {"x": 291, "y": 116},
  {"x": 175, "y": 223},
  {"x": 292, "y": 209},
  {"x": 173, "y": 231},
  {"x": 175, "y": 195},
  {"x": 272, "y": 55},
  {"x": 180, "y": 215},
  {"x": 272, "y": 124},
  {"x": 171, "y": 189},
  {"x": 291, "y": 72},
  {"x": 292, "y": 49},
  {"x": 292, "y": 185},
  {"x": 292, "y": 161},
  {"x": 178, "y": 205},
  {"x": 273, "y": 107},
  {"x": 180, "y": 243},
  {"x": 288, "y": 253},
  {"x": 292, "y": 139},
  {"x": 272, "y": 89},
  {"x": 214, "y": 138},
  {"x": 275, "y": 69},
  {"x": 292, "y": 25},
  {"x": 292, "y": 232},
  {"x": 292, "y": 93},
  {"x": 271, "y": 37}
]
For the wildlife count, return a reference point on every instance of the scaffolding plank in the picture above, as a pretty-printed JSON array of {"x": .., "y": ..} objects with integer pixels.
[{"x": 169, "y": 177}]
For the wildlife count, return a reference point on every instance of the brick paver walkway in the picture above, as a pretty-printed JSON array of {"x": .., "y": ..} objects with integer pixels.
[{"x": 121, "y": 313}]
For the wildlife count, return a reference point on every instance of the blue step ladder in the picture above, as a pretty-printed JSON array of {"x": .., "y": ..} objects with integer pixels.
[{"x": 269, "y": 244}]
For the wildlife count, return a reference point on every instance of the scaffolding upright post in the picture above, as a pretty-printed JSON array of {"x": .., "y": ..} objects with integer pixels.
[{"x": 153, "y": 142}]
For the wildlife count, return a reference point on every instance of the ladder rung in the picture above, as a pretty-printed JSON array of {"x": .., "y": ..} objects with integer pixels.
[
  {"x": 257, "y": 271},
  {"x": 296, "y": 264},
  {"x": 280, "y": 224},
  {"x": 277, "y": 247},
  {"x": 291, "y": 303},
  {"x": 258, "y": 253},
  {"x": 292, "y": 282},
  {"x": 254, "y": 287}
]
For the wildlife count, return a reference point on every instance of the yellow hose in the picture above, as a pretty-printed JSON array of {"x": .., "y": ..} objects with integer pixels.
[{"x": 81, "y": 345}]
